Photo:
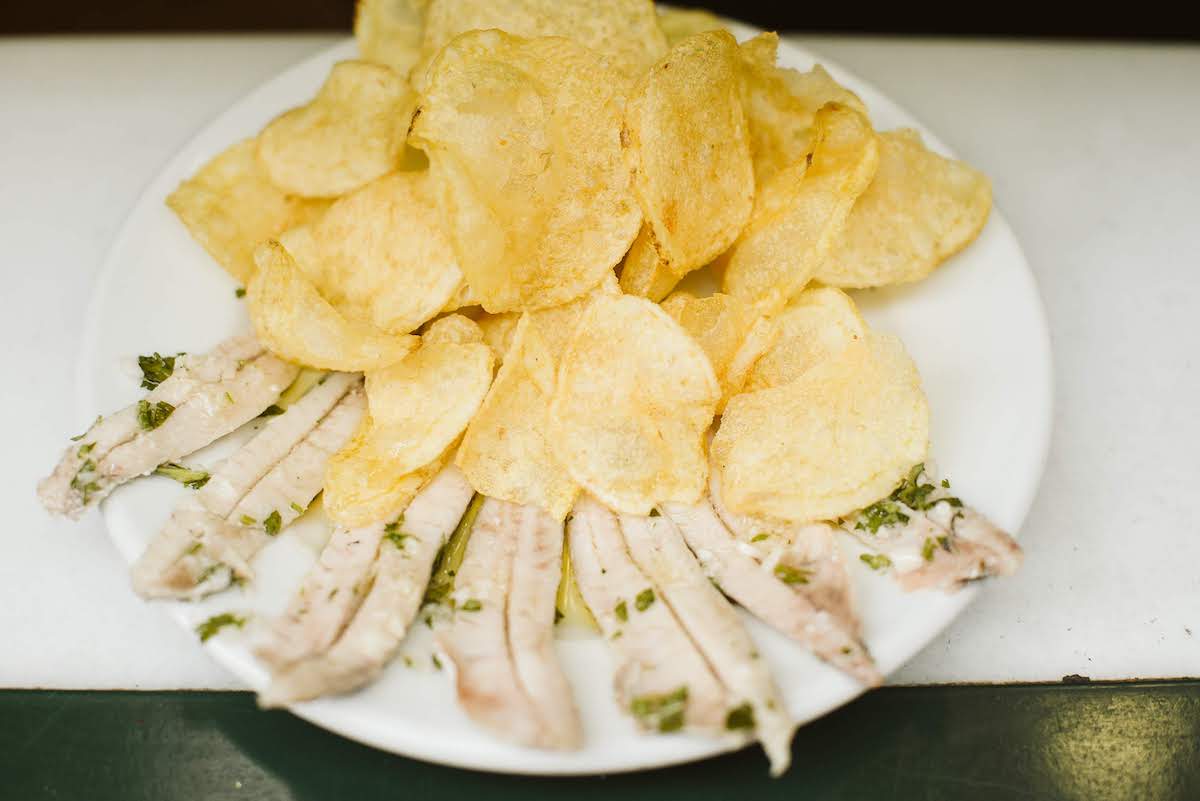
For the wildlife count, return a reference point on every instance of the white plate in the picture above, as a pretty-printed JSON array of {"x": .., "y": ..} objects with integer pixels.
[{"x": 976, "y": 329}]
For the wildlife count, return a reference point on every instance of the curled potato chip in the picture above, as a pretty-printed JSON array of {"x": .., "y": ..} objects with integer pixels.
[
  {"x": 295, "y": 322},
  {"x": 463, "y": 296},
  {"x": 498, "y": 330},
  {"x": 686, "y": 140},
  {"x": 230, "y": 207},
  {"x": 453, "y": 328},
  {"x": 360, "y": 491},
  {"x": 417, "y": 410},
  {"x": 643, "y": 273},
  {"x": 919, "y": 210},
  {"x": 799, "y": 214},
  {"x": 678, "y": 24},
  {"x": 634, "y": 399},
  {"x": 625, "y": 31},
  {"x": 836, "y": 439},
  {"x": 352, "y": 132},
  {"x": 506, "y": 452},
  {"x": 718, "y": 323},
  {"x": 781, "y": 103},
  {"x": 388, "y": 32},
  {"x": 384, "y": 256},
  {"x": 817, "y": 325},
  {"x": 524, "y": 137}
]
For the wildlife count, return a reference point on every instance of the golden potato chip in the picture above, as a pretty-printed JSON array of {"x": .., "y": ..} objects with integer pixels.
[
  {"x": 626, "y": 32},
  {"x": 388, "y": 32},
  {"x": 556, "y": 324},
  {"x": 798, "y": 215},
  {"x": 352, "y": 132},
  {"x": 452, "y": 328},
  {"x": 643, "y": 273},
  {"x": 836, "y": 439},
  {"x": 718, "y": 323},
  {"x": 463, "y": 296},
  {"x": 506, "y": 451},
  {"x": 498, "y": 330},
  {"x": 758, "y": 340},
  {"x": 230, "y": 207},
  {"x": 384, "y": 256},
  {"x": 417, "y": 409},
  {"x": 919, "y": 210},
  {"x": 295, "y": 322},
  {"x": 678, "y": 24},
  {"x": 524, "y": 137},
  {"x": 780, "y": 106},
  {"x": 817, "y": 325},
  {"x": 634, "y": 399},
  {"x": 359, "y": 492},
  {"x": 685, "y": 138}
]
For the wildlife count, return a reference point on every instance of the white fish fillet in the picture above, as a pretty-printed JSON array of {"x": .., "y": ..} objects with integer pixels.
[
  {"x": 281, "y": 469},
  {"x": 655, "y": 657},
  {"x": 211, "y": 395},
  {"x": 659, "y": 550},
  {"x": 756, "y": 587},
  {"x": 376, "y": 630}
]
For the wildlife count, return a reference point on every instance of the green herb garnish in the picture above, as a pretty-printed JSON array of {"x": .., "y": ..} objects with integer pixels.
[
  {"x": 875, "y": 561},
  {"x": 759, "y": 537},
  {"x": 644, "y": 599},
  {"x": 663, "y": 712},
  {"x": 240, "y": 292},
  {"x": 740, "y": 718},
  {"x": 84, "y": 450},
  {"x": 297, "y": 508},
  {"x": 156, "y": 369},
  {"x": 247, "y": 520},
  {"x": 450, "y": 557},
  {"x": 192, "y": 479},
  {"x": 437, "y": 663},
  {"x": 214, "y": 624},
  {"x": 472, "y": 605},
  {"x": 393, "y": 534},
  {"x": 791, "y": 575},
  {"x": 928, "y": 548},
  {"x": 152, "y": 415},
  {"x": 878, "y": 515},
  {"x": 621, "y": 611},
  {"x": 85, "y": 482},
  {"x": 272, "y": 523},
  {"x": 78, "y": 437}
]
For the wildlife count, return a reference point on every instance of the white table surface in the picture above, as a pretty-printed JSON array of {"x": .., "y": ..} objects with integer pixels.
[{"x": 1095, "y": 157}]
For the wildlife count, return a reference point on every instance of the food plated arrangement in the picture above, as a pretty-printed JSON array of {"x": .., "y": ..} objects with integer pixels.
[{"x": 550, "y": 334}]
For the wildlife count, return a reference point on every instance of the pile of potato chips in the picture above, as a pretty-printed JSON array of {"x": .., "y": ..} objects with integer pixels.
[{"x": 490, "y": 214}]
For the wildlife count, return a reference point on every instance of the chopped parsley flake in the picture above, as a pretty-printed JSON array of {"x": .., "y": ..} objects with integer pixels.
[
  {"x": 192, "y": 479},
  {"x": 214, "y": 624},
  {"x": 156, "y": 369},
  {"x": 297, "y": 508},
  {"x": 96, "y": 422},
  {"x": 229, "y": 398},
  {"x": 740, "y": 718},
  {"x": 152, "y": 415},
  {"x": 621, "y": 611},
  {"x": 240, "y": 292},
  {"x": 437, "y": 663},
  {"x": 196, "y": 546},
  {"x": 247, "y": 520},
  {"x": 472, "y": 605},
  {"x": 644, "y": 599},
  {"x": 928, "y": 548},
  {"x": 85, "y": 482},
  {"x": 272, "y": 523},
  {"x": 759, "y": 537},
  {"x": 663, "y": 712},
  {"x": 84, "y": 450},
  {"x": 791, "y": 575},
  {"x": 875, "y": 561},
  {"x": 946, "y": 483},
  {"x": 881, "y": 514},
  {"x": 393, "y": 534}
]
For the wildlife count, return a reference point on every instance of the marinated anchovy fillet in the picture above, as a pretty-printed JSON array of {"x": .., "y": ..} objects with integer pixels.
[
  {"x": 195, "y": 400},
  {"x": 929, "y": 539},
  {"x": 395, "y": 584},
  {"x": 779, "y": 594},
  {"x": 501, "y": 635},
  {"x": 660, "y": 551},
  {"x": 251, "y": 496},
  {"x": 655, "y": 658}
]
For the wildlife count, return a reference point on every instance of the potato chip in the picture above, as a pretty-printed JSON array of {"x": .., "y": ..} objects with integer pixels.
[
  {"x": 758, "y": 340},
  {"x": 389, "y": 32},
  {"x": 643, "y": 273},
  {"x": 686, "y": 140},
  {"x": 352, "y": 132},
  {"x": 524, "y": 137},
  {"x": 360, "y": 492},
  {"x": 506, "y": 451},
  {"x": 816, "y": 326},
  {"x": 384, "y": 256},
  {"x": 230, "y": 207},
  {"x": 780, "y": 106},
  {"x": 836, "y": 439},
  {"x": 919, "y": 210},
  {"x": 634, "y": 399},
  {"x": 453, "y": 328},
  {"x": 798, "y": 215},
  {"x": 498, "y": 330},
  {"x": 463, "y": 297},
  {"x": 678, "y": 24},
  {"x": 626, "y": 32},
  {"x": 718, "y": 323},
  {"x": 295, "y": 322},
  {"x": 556, "y": 324}
]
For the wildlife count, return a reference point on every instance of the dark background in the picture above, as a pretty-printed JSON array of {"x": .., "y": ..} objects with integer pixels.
[{"x": 1136, "y": 21}]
